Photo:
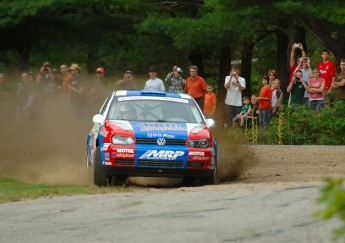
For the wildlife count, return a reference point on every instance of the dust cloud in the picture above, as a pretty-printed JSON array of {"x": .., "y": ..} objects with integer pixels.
[{"x": 50, "y": 148}]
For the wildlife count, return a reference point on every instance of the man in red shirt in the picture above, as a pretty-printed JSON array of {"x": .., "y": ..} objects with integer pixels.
[
  {"x": 327, "y": 72},
  {"x": 293, "y": 63},
  {"x": 196, "y": 86}
]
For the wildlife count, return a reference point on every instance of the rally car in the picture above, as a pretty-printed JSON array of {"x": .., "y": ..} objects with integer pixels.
[{"x": 151, "y": 134}]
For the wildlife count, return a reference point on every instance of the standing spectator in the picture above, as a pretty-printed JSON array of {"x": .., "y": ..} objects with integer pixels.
[
  {"x": 4, "y": 89},
  {"x": 97, "y": 91},
  {"x": 304, "y": 66},
  {"x": 67, "y": 78},
  {"x": 265, "y": 103},
  {"x": 293, "y": 60},
  {"x": 76, "y": 87},
  {"x": 154, "y": 83},
  {"x": 126, "y": 83},
  {"x": 277, "y": 97},
  {"x": 272, "y": 75},
  {"x": 175, "y": 81},
  {"x": 327, "y": 72},
  {"x": 234, "y": 85},
  {"x": 339, "y": 83},
  {"x": 196, "y": 86},
  {"x": 296, "y": 88},
  {"x": 26, "y": 98},
  {"x": 316, "y": 87},
  {"x": 210, "y": 102}
]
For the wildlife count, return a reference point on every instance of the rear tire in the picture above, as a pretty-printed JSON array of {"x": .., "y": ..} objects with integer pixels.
[{"x": 100, "y": 177}]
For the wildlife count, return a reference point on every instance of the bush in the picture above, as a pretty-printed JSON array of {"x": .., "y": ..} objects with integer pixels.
[{"x": 301, "y": 126}]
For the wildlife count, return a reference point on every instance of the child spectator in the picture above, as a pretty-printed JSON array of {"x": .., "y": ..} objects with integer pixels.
[
  {"x": 277, "y": 97},
  {"x": 245, "y": 111},
  {"x": 254, "y": 111},
  {"x": 210, "y": 101},
  {"x": 265, "y": 103}
]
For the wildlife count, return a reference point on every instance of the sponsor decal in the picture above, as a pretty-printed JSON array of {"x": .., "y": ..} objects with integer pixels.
[
  {"x": 161, "y": 154},
  {"x": 105, "y": 146},
  {"x": 107, "y": 163},
  {"x": 113, "y": 154},
  {"x": 197, "y": 153},
  {"x": 194, "y": 158},
  {"x": 125, "y": 156},
  {"x": 168, "y": 135},
  {"x": 107, "y": 156},
  {"x": 161, "y": 127},
  {"x": 124, "y": 150}
]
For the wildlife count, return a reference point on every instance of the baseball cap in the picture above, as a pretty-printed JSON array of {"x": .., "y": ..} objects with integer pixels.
[
  {"x": 179, "y": 70},
  {"x": 153, "y": 69},
  {"x": 129, "y": 72},
  {"x": 100, "y": 70}
]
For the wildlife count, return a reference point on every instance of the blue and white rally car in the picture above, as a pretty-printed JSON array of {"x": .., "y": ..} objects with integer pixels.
[{"x": 151, "y": 134}]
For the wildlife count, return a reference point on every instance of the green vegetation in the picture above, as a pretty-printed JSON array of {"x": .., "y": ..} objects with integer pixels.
[
  {"x": 333, "y": 196},
  {"x": 300, "y": 126},
  {"x": 12, "y": 190}
]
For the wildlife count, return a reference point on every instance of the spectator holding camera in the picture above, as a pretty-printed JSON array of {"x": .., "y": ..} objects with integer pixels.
[
  {"x": 293, "y": 61},
  {"x": 304, "y": 66},
  {"x": 296, "y": 88},
  {"x": 175, "y": 81},
  {"x": 316, "y": 87},
  {"x": 234, "y": 85}
]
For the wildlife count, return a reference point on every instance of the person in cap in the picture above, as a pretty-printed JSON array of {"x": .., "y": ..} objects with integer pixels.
[
  {"x": 66, "y": 80},
  {"x": 154, "y": 83},
  {"x": 97, "y": 92},
  {"x": 175, "y": 81},
  {"x": 76, "y": 87},
  {"x": 126, "y": 83}
]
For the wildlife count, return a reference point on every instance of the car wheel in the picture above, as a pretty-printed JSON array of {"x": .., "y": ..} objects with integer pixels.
[
  {"x": 210, "y": 180},
  {"x": 100, "y": 177},
  {"x": 119, "y": 180}
]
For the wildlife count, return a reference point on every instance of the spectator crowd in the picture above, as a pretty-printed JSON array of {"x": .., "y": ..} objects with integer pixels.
[{"x": 309, "y": 86}]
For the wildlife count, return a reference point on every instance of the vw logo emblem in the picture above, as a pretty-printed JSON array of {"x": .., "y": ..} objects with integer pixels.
[{"x": 161, "y": 141}]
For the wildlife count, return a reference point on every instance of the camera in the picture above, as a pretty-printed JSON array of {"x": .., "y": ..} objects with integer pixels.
[
  {"x": 297, "y": 79},
  {"x": 305, "y": 59},
  {"x": 234, "y": 72}
]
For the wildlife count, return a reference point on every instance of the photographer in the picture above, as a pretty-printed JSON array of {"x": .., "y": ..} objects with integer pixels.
[{"x": 296, "y": 88}]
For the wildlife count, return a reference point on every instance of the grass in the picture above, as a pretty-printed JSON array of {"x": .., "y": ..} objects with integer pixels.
[{"x": 12, "y": 190}]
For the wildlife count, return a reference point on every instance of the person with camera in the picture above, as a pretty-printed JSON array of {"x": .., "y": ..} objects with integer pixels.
[
  {"x": 296, "y": 88},
  {"x": 304, "y": 66},
  {"x": 296, "y": 47},
  {"x": 234, "y": 85}
]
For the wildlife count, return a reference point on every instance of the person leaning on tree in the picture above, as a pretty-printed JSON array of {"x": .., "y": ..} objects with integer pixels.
[
  {"x": 339, "y": 84},
  {"x": 196, "y": 86}
]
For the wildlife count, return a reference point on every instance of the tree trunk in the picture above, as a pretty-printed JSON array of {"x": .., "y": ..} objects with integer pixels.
[
  {"x": 282, "y": 60},
  {"x": 246, "y": 64},
  {"x": 224, "y": 68}
]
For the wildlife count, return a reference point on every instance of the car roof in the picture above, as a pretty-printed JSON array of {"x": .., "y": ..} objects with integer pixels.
[{"x": 152, "y": 93}]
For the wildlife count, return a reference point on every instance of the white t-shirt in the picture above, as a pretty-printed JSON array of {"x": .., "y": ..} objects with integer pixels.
[
  {"x": 154, "y": 84},
  {"x": 233, "y": 93}
]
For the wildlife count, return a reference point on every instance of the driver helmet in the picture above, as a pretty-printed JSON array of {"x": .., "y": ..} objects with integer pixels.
[{"x": 126, "y": 110}]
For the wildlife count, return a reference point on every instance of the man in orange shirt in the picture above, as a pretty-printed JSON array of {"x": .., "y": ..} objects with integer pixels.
[{"x": 196, "y": 86}]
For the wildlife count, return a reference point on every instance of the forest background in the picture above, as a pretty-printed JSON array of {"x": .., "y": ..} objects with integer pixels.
[{"x": 135, "y": 34}]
